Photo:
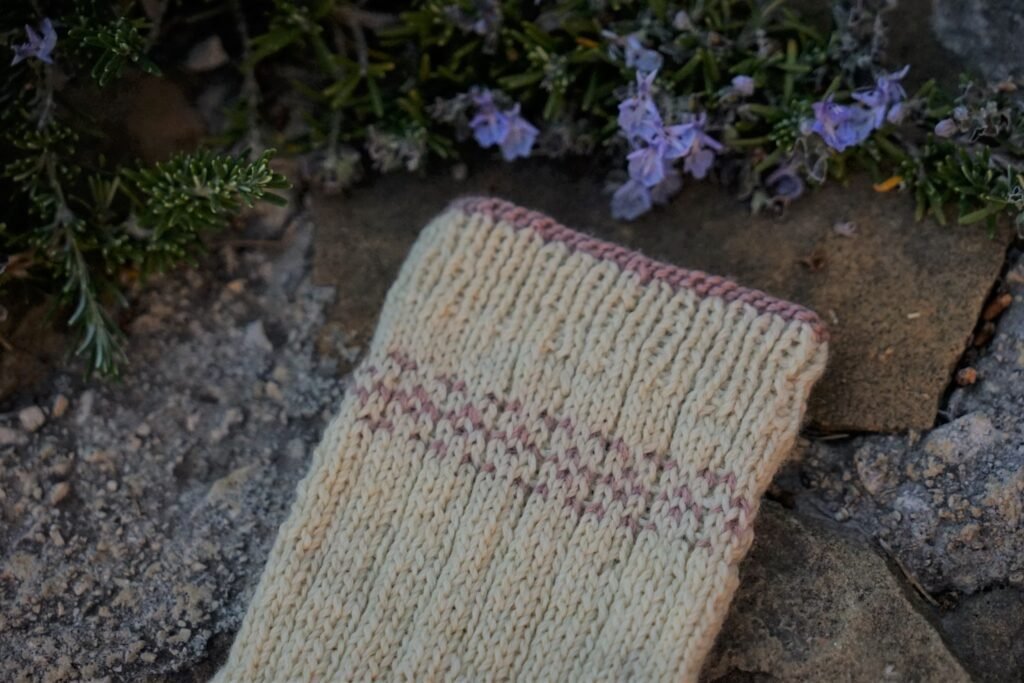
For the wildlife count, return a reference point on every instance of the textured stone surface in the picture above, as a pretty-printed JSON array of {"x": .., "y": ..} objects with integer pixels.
[
  {"x": 817, "y": 605},
  {"x": 986, "y": 631},
  {"x": 984, "y": 33},
  {"x": 948, "y": 504},
  {"x": 900, "y": 297},
  {"x": 135, "y": 521},
  {"x": 34, "y": 345}
]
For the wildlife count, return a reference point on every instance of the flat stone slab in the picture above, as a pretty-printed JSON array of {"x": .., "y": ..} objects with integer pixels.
[
  {"x": 815, "y": 604},
  {"x": 950, "y": 504},
  {"x": 900, "y": 297}
]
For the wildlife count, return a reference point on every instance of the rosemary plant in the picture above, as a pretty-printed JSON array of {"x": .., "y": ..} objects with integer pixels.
[
  {"x": 71, "y": 222},
  {"x": 749, "y": 79}
]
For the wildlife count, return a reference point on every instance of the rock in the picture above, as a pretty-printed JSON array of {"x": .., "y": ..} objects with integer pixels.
[
  {"x": 273, "y": 391},
  {"x": 206, "y": 55},
  {"x": 231, "y": 417},
  {"x": 59, "y": 492},
  {"x": 31, "y": 418},
  {"x": 256, "y": 336},
  {"x": 986, "y": 631},
  {"x": 62, "y": 467},
  {"x": 36, "y": 342},
  {"x": 60, "y": 406},
  {"x": 227, "y": 490},
  {"x": 12, "y": 437},
  {"x": 901, "y": 298},
  {"x": 984, "y": 33},
  {"x": 950, "y": 504},
  {"x": 85, "y": 404},
  {"x": 966, "y": 376},
  {"x": 149, "y": 116},
  {"x": 816, "y": 604}
]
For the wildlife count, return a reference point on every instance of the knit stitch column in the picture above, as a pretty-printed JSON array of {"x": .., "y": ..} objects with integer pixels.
[{"x": 547, "y": 467}]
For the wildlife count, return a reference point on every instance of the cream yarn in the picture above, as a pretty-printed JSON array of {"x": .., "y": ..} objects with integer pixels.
[{"x": 547, "y": 468}]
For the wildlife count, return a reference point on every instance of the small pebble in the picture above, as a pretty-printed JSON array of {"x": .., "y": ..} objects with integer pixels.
[
  {"x": 59, "y": 492},
  {"x": 31, "y": 418},
  {"x": 966, "y": 376},
  {"x": 845, "y": 228},
  {"x": 12, "y": 437},
  {"x": 274, "y": 392},
  {"x": 62, "y": 468},
  {"x": 84, "y": 411},
  {"x": 56, "y": 537},
  {"x": 995, "y": 307},
  {"x": 256, "y": 336},
  {"x": 280, "y": 374},
  {"x": 60, "y": 405}
]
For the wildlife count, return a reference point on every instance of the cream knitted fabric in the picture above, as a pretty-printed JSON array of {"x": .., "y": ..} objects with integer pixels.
[{"x": 546, "y": 469}]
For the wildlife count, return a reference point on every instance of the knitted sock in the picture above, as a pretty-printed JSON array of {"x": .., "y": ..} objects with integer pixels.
[{"x": 547, "y": 468}]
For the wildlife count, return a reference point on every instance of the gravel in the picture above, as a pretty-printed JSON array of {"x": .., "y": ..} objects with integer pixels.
[{"x": 136, "y": 515}]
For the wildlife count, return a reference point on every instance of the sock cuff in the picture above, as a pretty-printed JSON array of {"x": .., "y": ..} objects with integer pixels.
[{"x": 646, "y": 268}]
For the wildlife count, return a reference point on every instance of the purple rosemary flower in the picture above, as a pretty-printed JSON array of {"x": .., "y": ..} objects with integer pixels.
[
  {"x": 841, "y": 126},
  {"x": 40, "y": 45},
  {"x": 638, "y": 57},
  {"x": 946, "y": 128},
  {"x": 667, "y": 188},
  {"x": 519, "y": 137},
  {"x": 784, "y": 184},
  {"x": 490, "y": 126},
  {"x": 701, "y": 155},
  {"x": 896, "y": 113},
  {"x": 885, "y": 98},
  {"x": 647, "y": 165},
  {"x": 699, "y": 163},
  {"x": 638, "y": 115},
  {"x": 743, "y": 85},
  {"x": 507, "y": 129},
  {"x": 631, "y": 200},
  {"x": 678, "y": 140}
]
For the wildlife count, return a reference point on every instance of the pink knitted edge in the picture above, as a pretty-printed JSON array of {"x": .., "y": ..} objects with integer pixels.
[{"x": 648, "y": 269}]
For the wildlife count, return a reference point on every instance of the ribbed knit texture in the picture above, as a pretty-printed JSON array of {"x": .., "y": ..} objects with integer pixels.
[{"x": 547, "y": 468}]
